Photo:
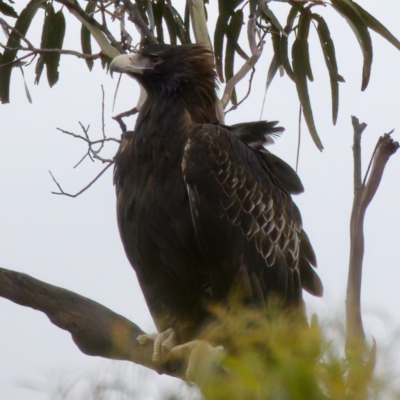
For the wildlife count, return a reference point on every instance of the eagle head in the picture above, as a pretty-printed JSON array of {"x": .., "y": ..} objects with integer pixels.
[
  {"x": 167, "y": 71},
  {"x": 171, "y": 67}
]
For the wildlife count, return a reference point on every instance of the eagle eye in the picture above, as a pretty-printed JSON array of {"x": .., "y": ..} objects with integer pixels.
[{"x": 155, "y": 59}]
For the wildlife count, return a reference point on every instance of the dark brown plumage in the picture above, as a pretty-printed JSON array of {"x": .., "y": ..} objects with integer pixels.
[{"x": 203, "y": 207}]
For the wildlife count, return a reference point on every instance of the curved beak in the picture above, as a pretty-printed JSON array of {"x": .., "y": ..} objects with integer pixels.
[{"x": 128, "y": 63}]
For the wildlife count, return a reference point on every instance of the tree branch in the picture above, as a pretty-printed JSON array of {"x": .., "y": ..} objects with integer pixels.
[
  {"x": 363, "y": 194},
  {"x": 256, "y": 52},
  {"x": 136, "y": 18},
  {"x": 95, "y": 329}
]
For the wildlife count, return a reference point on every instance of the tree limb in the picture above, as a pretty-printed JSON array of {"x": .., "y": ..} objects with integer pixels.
[
  {"x": 363, "y": 194},
  {"x": 95, "y": 329}
]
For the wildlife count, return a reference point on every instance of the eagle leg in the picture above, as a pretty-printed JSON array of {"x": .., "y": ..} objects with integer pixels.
[
  {"x": 201, "y": 357},
  {"x": 163, "y": 342}
]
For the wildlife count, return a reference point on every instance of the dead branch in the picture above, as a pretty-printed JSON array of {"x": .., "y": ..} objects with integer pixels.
[
  {"x": 95, "y": 329},
  {"x": 363, "y": 194},
  {"x": 136, "y": 18},
  {"x": 256, "y": 51},
  {"x": 33, "y": 51},
  {"x": 62, "y": 192}
]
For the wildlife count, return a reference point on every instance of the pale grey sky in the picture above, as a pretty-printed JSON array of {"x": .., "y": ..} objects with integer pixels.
[{"x": 74, "y": 243}]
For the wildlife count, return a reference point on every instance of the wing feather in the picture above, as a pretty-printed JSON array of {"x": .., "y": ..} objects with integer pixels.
[{"x": 244, "y": 217}]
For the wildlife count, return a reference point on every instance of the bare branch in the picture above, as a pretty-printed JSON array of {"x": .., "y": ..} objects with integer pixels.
[
  {"x": 136, "y": 18},
  {"x": 95, "y": 329},
  {"x": 358, "y": 130},
  {"x": 35, "y": 51},
  {"x": 119, "y": 117},
  {"x": 385, "y": 149},
  {"x": 246, "y": 68},
  {"x": 256, "y": 51},
  {"x": 234, "y": 107},
  {"x": 61, "y": 192},
  {"x": 363, "y": 194}
]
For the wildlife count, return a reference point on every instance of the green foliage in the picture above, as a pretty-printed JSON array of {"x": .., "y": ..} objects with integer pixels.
[
  {"x": 85, "y": 34},
  {"x": 289, "y": 42},
  {"x": 280, "y": 358},
  {"x": 52, "y": 38},
  {"x": 22, "y": 25},
  {"x": 7, "y": 10}
]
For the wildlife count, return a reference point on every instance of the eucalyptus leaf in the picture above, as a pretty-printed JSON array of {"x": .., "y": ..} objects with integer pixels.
[
  {"x": 85, "y": 34},
  {"x": 283, "y": 48},
  {"x": 219, "y": 34},
  {"x": 22, "y": 25},
  {"x": 328, "y": 49},
  {"x": 232, "y": 34},
  {"x": 274, "y": 21},
  {"x": 376, "y": 26},
  {"x": 299, "y": 55},
  {"x": 303, "y": 31},
  {"x": 6, "y": 9},
  {"x": 171, "y": 26},
  {"x": 360, "y": 29}
]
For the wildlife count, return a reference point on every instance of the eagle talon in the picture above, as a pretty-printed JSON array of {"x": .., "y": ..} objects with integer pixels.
[
  {"x": 163, "y": 342},
  {"x": 201, "y": 358}
]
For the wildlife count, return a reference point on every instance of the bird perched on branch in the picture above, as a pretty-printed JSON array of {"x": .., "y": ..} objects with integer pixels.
[{"x": 203, "y": 208}]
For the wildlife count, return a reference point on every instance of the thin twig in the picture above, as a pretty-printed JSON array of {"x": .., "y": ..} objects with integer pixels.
[
  {"x": 299, "y": 139},
  {"x": 256, "y": 51},
  {"x": 136, "y": 18},
  {"x": 35, "y": 51},
  {"x": 61, "y": 192},
  {"x": 125, "y": 114},
  {"x": 247, "y": 94},
  {"x": 358, "y": 130}
]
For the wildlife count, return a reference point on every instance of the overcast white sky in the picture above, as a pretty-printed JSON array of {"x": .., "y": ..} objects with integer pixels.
[{"x": 74, "y": 243}]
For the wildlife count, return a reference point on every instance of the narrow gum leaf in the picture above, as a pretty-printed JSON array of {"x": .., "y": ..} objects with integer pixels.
[
  {"x": 303, "y": 31},
  {"x": 232, "y": 33},
  {"x": 219, "y": 34},
  {"x": 328, "y": 49},
  {"x": 274, "y": 21},
  {"x": 56, "y": 31},
  {"x": 360, "y": 29},
  {"x": 22, "y": 25},
  {"x": 182, "y": 28},
  {"x": 284, "y": 57},
  {"x": 171, "y": 25},
  {"x": 299, "y": 69},
  {"x": 86, "y": 43},
  {"x": 7, "y": 10},
  {"x": 376, "y": 26},
  {"x": 272, "y": 70}
]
